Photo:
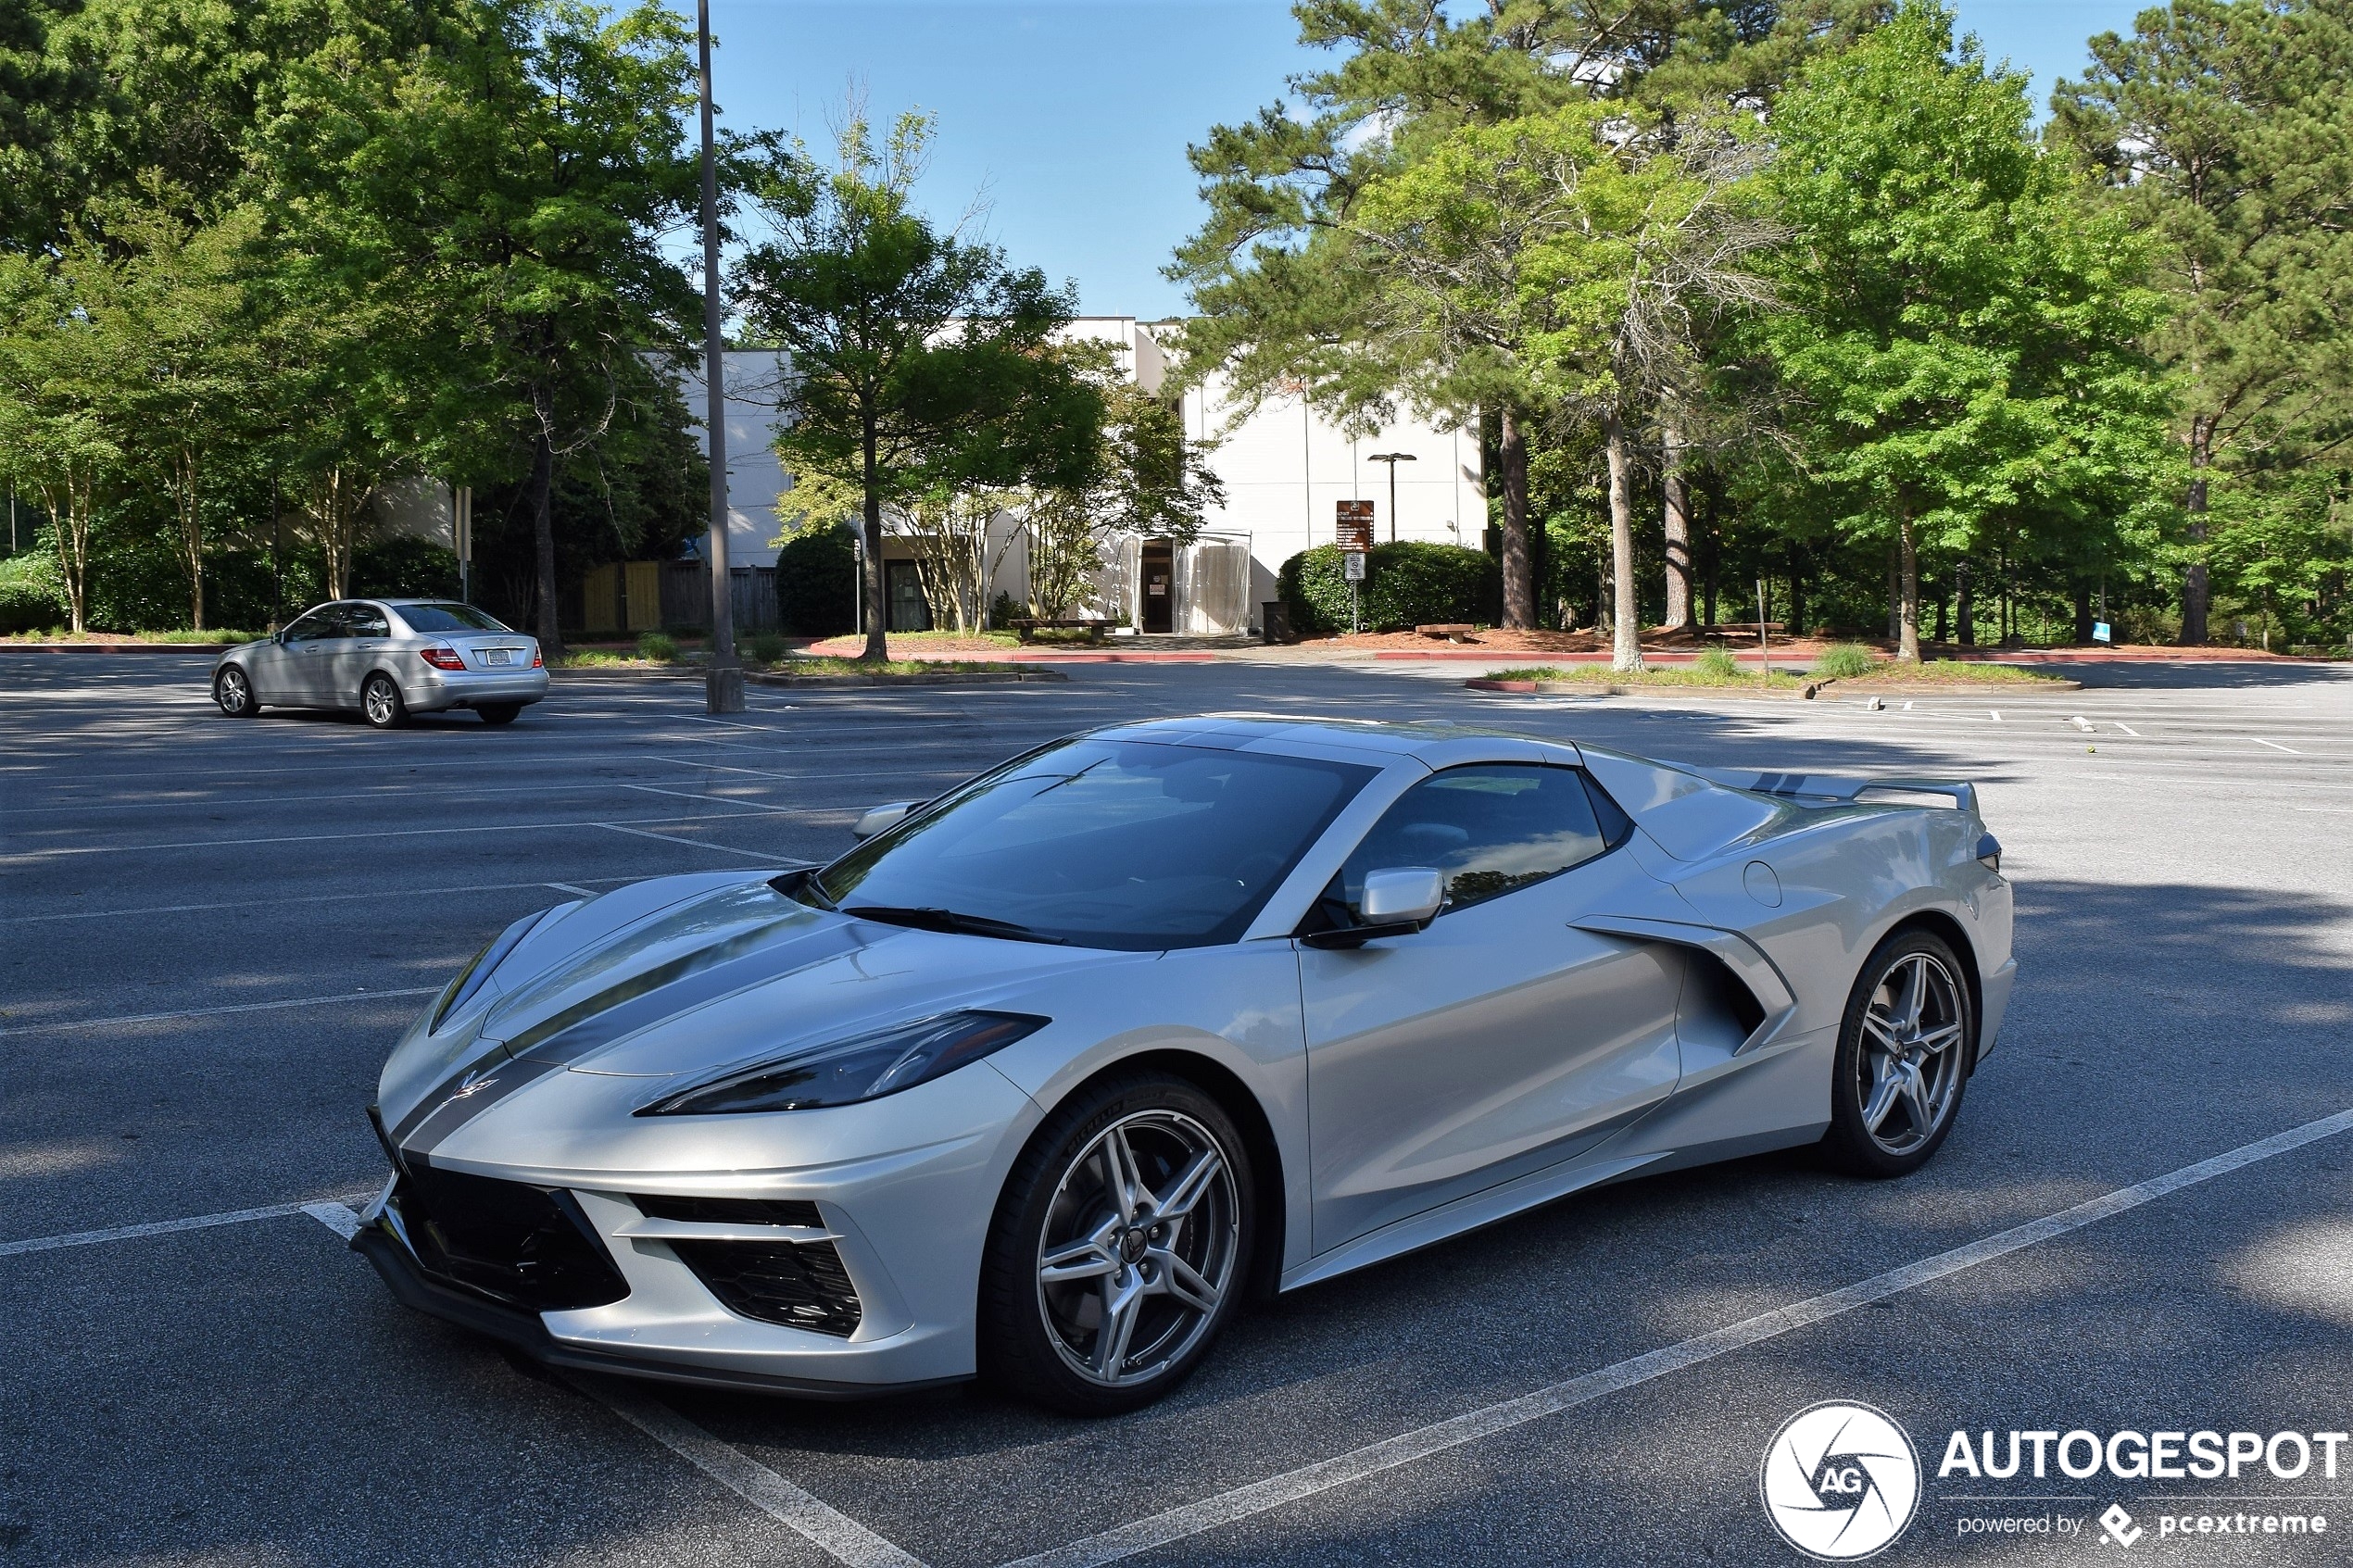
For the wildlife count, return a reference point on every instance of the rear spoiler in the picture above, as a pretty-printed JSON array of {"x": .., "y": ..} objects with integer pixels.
[{"x": 1833, "y": 789}]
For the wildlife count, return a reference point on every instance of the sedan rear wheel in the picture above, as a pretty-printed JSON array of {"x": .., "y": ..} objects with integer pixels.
[
  {"x": 1904, "y": 1057},
  {"x": 1118, "y": 1247},
  {"x": 498, "y": 712},
  {"x": 233, "y": 689},
  {"x": 380, "y": 702}
]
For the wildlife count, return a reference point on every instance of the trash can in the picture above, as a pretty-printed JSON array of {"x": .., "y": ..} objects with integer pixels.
[{"x": 1274, "y": 622}]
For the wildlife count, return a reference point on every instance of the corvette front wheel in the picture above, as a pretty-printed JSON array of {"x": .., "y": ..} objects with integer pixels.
[
  {"x": 1118, "y": 1247},
  {"x": 1904, "y": 1057}
]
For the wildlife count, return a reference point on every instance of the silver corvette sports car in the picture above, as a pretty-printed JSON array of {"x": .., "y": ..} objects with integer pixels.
[{"x": 1049, "y": 1074}]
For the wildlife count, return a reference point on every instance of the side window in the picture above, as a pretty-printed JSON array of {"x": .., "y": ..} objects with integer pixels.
[
  {"x": 1492, "y": 828},
  {"x": 365, "y": 621},
  {"x": 311, "y": 628}
]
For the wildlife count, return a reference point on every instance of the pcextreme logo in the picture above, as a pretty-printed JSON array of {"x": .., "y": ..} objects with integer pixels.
[{"x": 1841, "y": 1481}]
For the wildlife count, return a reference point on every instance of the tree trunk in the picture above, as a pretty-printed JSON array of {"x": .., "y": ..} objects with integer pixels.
[
  {"x": 1677, "y": 490},
  {"x": 1908, "y": 602},
  {"x": 72, "y": 523},
  {"x": 1796, "y": 589},
  {"x": 1964, "y": 610},
  {"x": 1626, "y": 652},
  {"x": 878, "y": 612},
  {"x": 1943, "y": 604},
  {"x": 1895, "y": 586},
  {"x": 1519, "y": 580},
  {"x": 1714, "y": 552},
  {"x": 2196, "y": 595},
  {"x": 191, "y": 535},
  {"x": 2082, "y": 613},
  {"x": 542, "y": 535}
]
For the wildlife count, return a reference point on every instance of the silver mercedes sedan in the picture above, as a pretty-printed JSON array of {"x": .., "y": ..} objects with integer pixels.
[
  {"x": 388, "y": 659},
  {"x": 1051, "y": 1074}
]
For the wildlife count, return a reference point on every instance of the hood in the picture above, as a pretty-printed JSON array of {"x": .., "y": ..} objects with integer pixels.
[{"x": 724, "y": 975}]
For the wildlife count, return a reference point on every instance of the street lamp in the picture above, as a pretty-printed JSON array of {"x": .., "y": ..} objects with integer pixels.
[
  {"x": 1392, "y": 459},
  {"x": 724, "y": 684}
]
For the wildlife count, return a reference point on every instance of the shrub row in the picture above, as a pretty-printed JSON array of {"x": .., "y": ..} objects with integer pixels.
[{"x": 1407, "y": 584}]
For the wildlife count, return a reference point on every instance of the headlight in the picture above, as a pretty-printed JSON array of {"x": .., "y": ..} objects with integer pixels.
[{"x": 863, "y": 1067}]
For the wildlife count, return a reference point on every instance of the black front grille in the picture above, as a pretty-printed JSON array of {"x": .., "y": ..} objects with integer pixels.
[
  {"x": 730, "y": 1210},
  {"x": 526, "y": 1246},
  {"x": 800, "y": 1284}
]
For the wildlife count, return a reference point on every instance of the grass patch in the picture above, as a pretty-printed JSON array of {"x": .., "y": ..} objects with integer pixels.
[
  {"x": 1699, "y": 672},
  {"x": 176, "y": 639},
  {"x": 1847, "y": 661},
  {"x": 1964, "y": 670},
  {"x": 820, "y": 666},
  {"x": 657, "y": 647},
  {"x": 920, "y": 639},
  {"x": 606, "y": 659}
]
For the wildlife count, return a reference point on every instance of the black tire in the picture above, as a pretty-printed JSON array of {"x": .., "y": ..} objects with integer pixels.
[
  {"x": 233, "y": 691},
  {"x": 498, "y": 712},
  {"x": 380, "y": 703},
  {"x": 1885, "y": 1048},
  {"x": 1035, "y": 1341}
]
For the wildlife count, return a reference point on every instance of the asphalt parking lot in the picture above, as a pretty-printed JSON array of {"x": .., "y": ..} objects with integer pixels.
[{"x": 210, "y": 930}]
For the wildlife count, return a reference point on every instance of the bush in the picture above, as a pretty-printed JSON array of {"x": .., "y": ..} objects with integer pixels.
[
  {"x": 1846, "y": 662},
  {"x": 1406, "y": 584},
  {"x": 660, "y": 647},
  {"x": 1004, "y": 611},
  {"x": 816, "y": 583},
  {"x": 32, "y": 598},
  {"x": 1716, "y": 664},
  {"x": 768, "y": 647},
  {"x": 404, "y": 567}
]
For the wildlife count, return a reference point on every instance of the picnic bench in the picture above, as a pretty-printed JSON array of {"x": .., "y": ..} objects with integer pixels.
[
  {"x": 1453, "y": 631},
  {"x": 1026, "y": 630}
]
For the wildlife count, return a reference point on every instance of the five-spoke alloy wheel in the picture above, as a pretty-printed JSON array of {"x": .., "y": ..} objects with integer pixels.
[
  {"x": 1119, "y": 1246},
  {"x": 233, "y": 689},
  {"x": 1904, "y": 1057},
  {"x": 380, "y": 702}
]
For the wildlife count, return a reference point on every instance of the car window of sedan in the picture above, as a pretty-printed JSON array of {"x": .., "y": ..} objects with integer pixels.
[
  {"x": 364, "y": 620},
  {"x": 1491, "y": 828},
  {"x": 311, "y": 628}
]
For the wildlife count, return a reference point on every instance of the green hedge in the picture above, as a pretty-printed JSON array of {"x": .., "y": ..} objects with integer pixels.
[
  {"x": 1406, "y": 584},
  {"x": 817, "y": 582},
  {"x": 32, "y": 597}
]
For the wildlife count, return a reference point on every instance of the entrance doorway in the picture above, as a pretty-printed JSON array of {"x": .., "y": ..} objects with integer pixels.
[
  {"x": 1159, "y": 597},
  {"x": 909, "y": 611}
]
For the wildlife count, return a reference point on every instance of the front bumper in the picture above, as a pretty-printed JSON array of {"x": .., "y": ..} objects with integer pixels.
[{"x": 434, "y": 691}]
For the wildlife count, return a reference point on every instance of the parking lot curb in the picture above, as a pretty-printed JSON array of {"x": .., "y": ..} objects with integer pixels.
[
  {"x": 940, "y": 678},
  {"x": 1907, "y": 689}
]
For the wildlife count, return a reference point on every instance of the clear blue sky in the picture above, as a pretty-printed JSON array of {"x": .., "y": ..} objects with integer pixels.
[{"x": 1070, "y": 117}]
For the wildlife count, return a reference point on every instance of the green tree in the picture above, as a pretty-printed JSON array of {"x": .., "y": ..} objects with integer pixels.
[
  {"x": 2222, "y": 128},
  {"x": 1548, "y": 264},
  {"x": 921, "y": 362},
  {"x": 1279, "y": 288},
  {"x": 64, "y": 433},
  {"x": 1963, "y": 328},
  {"x": 501, "y": 199}
]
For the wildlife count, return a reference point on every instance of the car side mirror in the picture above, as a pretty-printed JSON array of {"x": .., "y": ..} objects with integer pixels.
[
  {"x": 882, "y": 817},
  {"x": 1397, "y": 903}
]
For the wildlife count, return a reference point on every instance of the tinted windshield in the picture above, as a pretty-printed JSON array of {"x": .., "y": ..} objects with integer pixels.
[
  {"x": 1108, "y": 843},
  {"x": 447, "y": 617}
]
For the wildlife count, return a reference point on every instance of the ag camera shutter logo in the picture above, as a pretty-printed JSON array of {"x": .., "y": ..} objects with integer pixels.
[{"x": 1841, "y": 1481}]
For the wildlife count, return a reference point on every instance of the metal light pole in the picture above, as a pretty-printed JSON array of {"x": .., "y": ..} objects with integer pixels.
[
  {"x": 1392, "y": 459},
  {"x": 723, "y": 684}
]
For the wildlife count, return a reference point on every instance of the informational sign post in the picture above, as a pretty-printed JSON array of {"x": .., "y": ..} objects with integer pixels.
[
  {"x": 1353, "y": 530},
  {"x": 1353, "y": 566},
  {"x": 2101, "y": 631}
]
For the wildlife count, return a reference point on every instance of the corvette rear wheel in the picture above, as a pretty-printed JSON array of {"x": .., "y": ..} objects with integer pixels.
[
  {"x": 1904, "y": 1057},
  {"x": 1118, "y": 1247}
]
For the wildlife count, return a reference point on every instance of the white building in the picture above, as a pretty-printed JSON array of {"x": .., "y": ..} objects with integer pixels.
[{"x": 1285, "y": 470}]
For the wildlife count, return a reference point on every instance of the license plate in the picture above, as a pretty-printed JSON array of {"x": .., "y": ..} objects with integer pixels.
[{"x": 499, "y": 656}]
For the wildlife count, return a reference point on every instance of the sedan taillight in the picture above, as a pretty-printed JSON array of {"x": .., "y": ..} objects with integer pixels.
[
  {"x": 536, "y": 662},
  {"x": 442, "y": 658}
]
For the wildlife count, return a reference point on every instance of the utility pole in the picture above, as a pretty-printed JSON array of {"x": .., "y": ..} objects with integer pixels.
[
  {"x": 1392, "y": 459},
  {"x": 723, "y": 684}
]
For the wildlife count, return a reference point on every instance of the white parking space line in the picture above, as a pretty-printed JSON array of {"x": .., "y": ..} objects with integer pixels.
[
  {"x": 193, "y": 1222},
  {"x": 337, "y": 1217},
  {"x": 335, "y": 837},
  {"x": 830, "y": 1530},
  {"x": 1406, "y": 1448},
  {"x": 568, "y": 887},
  {"x": 302, "y": 898},
  {"x": 62, "y": 1025},
  {"x": 2275, "y": 746},
  {"x": 699, "y": 843},
  {"x": 2126, "y": 728}
]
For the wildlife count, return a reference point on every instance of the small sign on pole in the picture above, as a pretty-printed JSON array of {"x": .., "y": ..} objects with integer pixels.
[
  {"x": 1354, "y": 527},
  {"x": 2101, "y": 633},
  {"x": 1353, "y": 566}
]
